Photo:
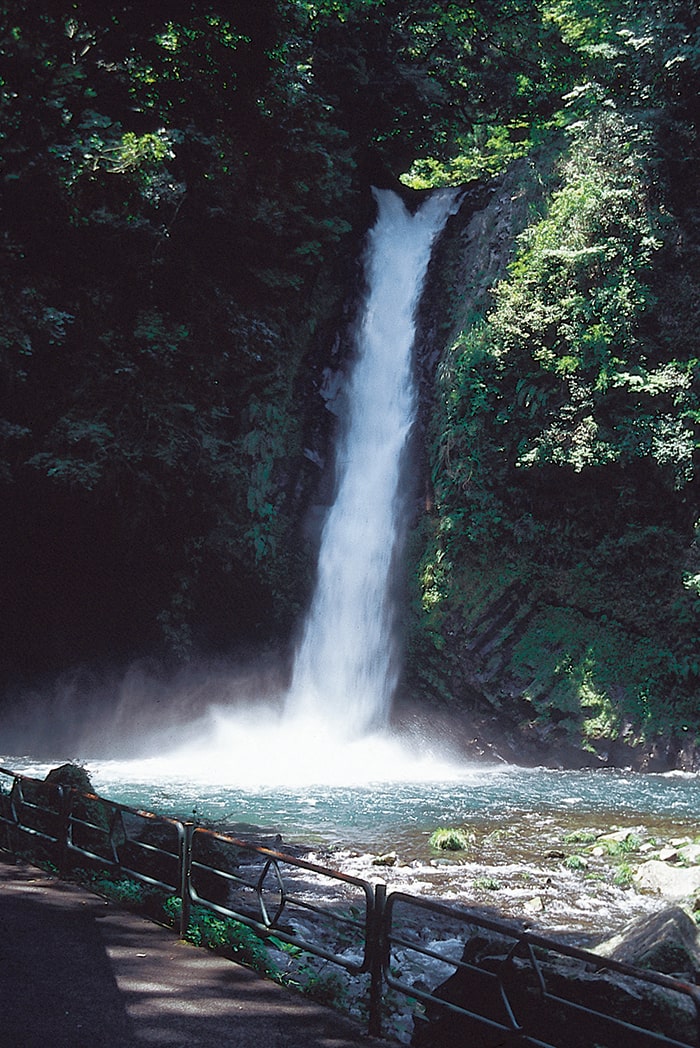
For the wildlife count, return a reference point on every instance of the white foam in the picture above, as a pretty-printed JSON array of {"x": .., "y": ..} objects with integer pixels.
[{"x": 246, "y": 752}]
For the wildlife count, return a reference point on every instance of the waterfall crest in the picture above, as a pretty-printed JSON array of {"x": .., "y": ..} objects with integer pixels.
[{"x": 345, "y": 670}]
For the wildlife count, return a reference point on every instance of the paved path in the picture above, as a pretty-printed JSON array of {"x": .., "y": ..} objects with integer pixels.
[{"x": 77, "y": 972}]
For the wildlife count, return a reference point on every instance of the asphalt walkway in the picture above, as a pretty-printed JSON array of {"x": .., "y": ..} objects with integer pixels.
[{"x": 78, "y": 972}]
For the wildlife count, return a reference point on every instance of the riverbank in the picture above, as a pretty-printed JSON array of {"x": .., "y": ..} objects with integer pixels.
[{"x": 565, "y": 870}]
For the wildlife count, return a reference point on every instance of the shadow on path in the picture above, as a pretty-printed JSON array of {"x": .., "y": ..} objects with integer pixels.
[{"x": 76, "y": 972}]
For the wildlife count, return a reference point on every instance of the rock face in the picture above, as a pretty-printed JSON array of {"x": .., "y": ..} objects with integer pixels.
[{"x": 564, "y": 1001}]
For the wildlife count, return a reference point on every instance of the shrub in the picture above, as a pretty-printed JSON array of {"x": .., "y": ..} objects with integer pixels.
[
  {"x": 489, "y": 884},
  {"x": 580, "y": 837},
  {"x": 575, "y": 862},
  {"x": 624, "y": 875}
]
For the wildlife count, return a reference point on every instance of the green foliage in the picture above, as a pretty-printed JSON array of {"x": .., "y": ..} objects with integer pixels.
[
  {"x": 624, "y": 875},
  {"x": 136, "y": 311},
  {"x": 575, "y": 862},
  {"x": 566, "y": 423},
  {"x": 489, "y": 884},
  {"x": 580, "y": 837},
  {"x": 562, "y": 361},
  {"x": 450, "y": 839},
  {"x": 419, "y": 77},
  {"x": 122, "y": 891},
  {"x": 485, "y": 152},
  {"x": 224, "y": 933},
  {"x": 616, "y": 847},
  {"x": 328, "y": 988}
]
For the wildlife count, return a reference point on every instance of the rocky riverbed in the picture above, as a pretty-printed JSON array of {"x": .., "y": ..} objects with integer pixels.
[
  {"x": 574, "y": 878},
  {"x": 581, "y": 885}
]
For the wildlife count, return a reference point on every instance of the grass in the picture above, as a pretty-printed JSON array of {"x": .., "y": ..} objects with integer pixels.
[{"x": 450, "y": 839}]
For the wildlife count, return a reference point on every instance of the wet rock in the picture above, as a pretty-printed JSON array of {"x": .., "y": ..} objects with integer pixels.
[
  {"x": 623, "y": 836},
  {"x": 73, "y": 775},
  {"x": 91, "y": 811},
  {"x": 668, "y": 941},
  {"x": 389, "y": 859},
  {"x": 535, "y": 905},
  {"x": 552, "y": 998},
  {"x": 675, "y": 882},
  {"x": 690, "y": 854}
]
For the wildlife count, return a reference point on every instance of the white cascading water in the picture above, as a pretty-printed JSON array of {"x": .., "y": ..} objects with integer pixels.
[
  {"x": 345, "y": 671},
  {"x": 330, "y": 729}
]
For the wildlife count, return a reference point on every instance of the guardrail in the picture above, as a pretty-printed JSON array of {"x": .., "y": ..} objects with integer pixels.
[
  {"x": 469, "y": 975},
  {"x": 527, "y": 989}
]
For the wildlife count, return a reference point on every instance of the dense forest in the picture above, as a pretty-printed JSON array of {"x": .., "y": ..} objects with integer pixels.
[{"x": 185, "y": 188}]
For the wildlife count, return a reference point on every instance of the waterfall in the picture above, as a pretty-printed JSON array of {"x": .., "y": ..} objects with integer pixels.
[{"x": 345, "y": 670}]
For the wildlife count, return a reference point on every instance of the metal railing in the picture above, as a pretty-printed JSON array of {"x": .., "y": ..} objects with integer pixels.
[
  {"x": 468, "y": 974},
  {"x": 269, "y": 891},
  {"x": 529, "y": 990}
]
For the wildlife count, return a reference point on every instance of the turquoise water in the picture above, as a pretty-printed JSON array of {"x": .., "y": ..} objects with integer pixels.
[
  {"x": 518, "y": 819},
  {"x": 533, "y": 804},
  {"x": 370, "y": 815}
]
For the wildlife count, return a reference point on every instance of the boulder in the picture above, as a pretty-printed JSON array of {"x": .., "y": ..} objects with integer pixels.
[
  {"x": 690, "y": 854},
  {"x": 73, "y": 775},
  {"x": 674, "y": 882},
  {"x": 668, "y": 942},
  {"x": 388, "y": 859},
  {"x": 554, "y": 999},
  {"x": 534, "y": 905},
  {"x": 623, "y": 835}
]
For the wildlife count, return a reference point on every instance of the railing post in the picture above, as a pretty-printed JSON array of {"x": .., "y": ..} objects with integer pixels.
[
  {"x": 13, "y": 836},
  {"x": 65, "y": 807},
  {"x": 185, "y": 873},
  {"x": 377, "y": 945}
]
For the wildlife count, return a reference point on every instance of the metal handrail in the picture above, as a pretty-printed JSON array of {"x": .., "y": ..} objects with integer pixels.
[
  {"x": 289, "y": 901},
  {"x": 106, "y": 835},
  {"x": 17, "y": 799},
  {"x": 185, "y": 886},
  {"x": 92, "y": 827},
  {"x": 532, "y": 951}
]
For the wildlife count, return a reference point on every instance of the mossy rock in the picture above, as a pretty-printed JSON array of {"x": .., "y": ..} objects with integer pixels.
[{"x": 73, "y": 775}]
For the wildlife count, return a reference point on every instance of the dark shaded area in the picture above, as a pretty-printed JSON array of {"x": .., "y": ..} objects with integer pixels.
[
  {"x": 56, "y": 981},
  {"x": 78, "y": 973},
  {"x": 185, "y": 187}
]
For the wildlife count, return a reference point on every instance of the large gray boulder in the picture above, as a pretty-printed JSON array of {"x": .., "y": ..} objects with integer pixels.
[
  {"x": 667, "y": 942},
  {"x": 566, "y": 1001}
]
